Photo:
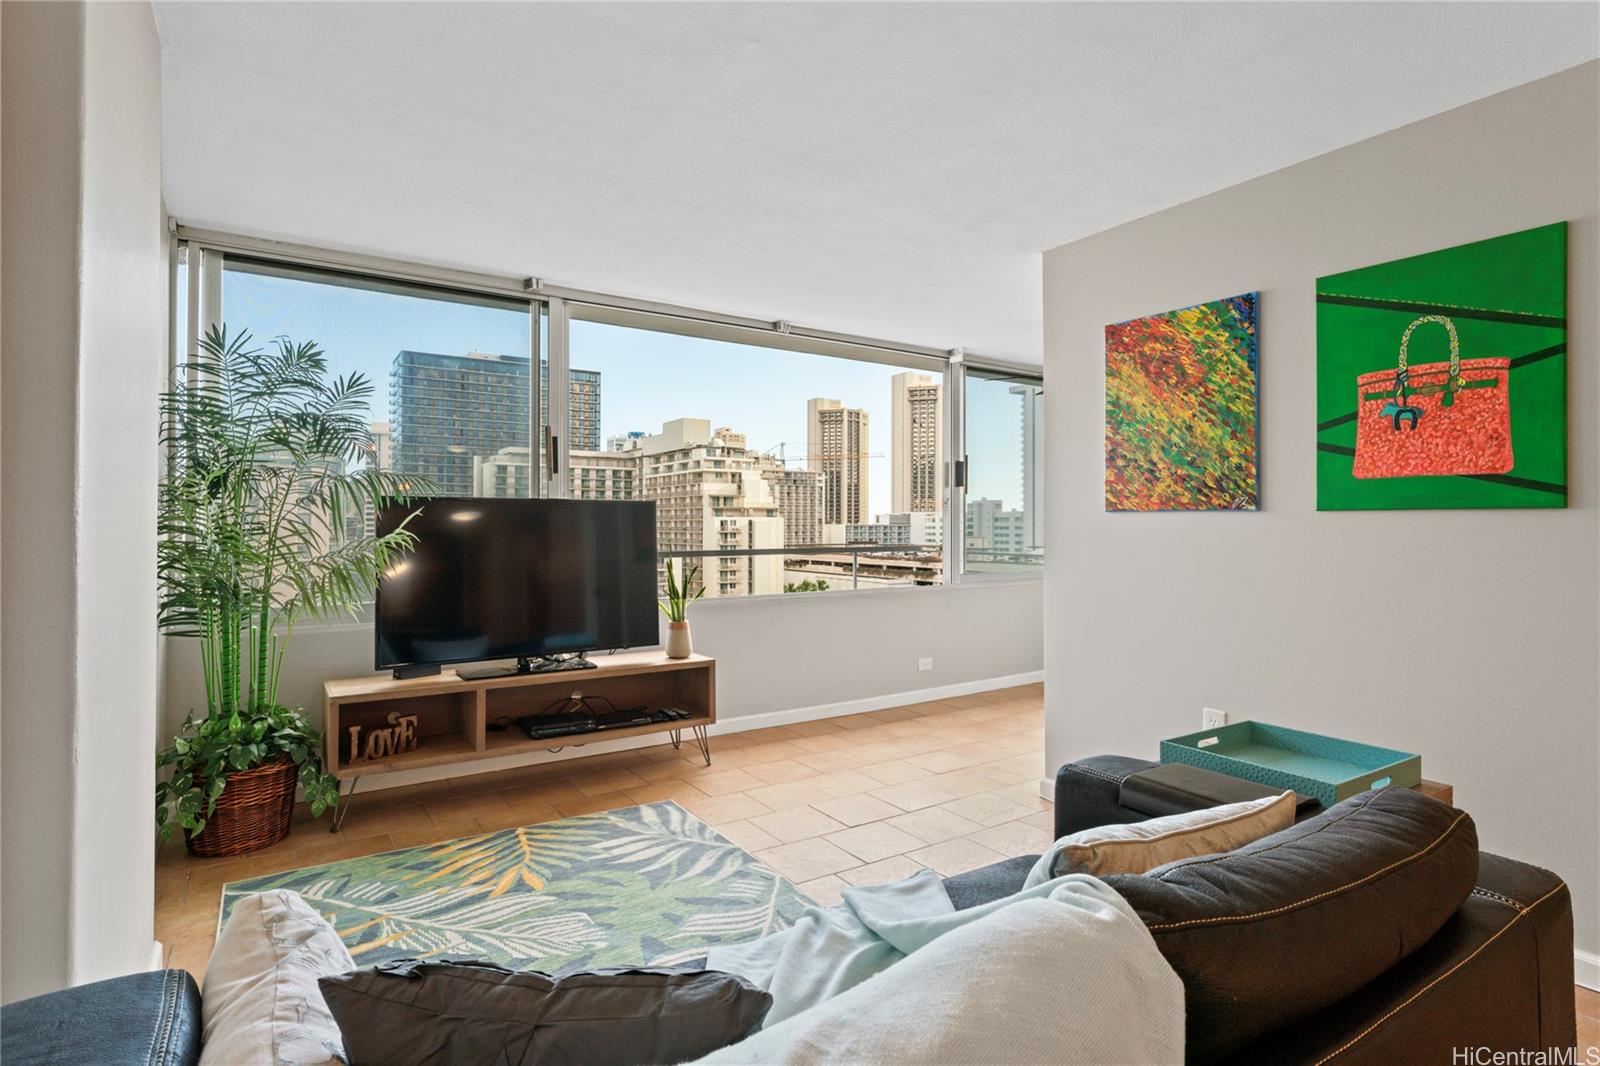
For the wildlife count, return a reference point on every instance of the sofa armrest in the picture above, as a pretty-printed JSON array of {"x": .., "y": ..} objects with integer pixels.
[
  {"x": 1498, "y": 975},
  {"x": 144, "y": 1018},
  {"x": 1089, "y": 792}
]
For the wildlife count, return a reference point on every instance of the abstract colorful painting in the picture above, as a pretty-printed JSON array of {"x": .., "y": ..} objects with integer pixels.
[
  {"x": 1442, "y": 378},
  {"x": 1181, "y": 409}
]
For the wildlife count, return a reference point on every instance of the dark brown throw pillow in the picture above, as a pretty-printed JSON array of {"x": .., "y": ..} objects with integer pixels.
[{"x": 435, "y": 1012}]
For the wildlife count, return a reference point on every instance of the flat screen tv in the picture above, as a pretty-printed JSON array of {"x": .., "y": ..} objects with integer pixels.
[{"x": 516, "y": 579}]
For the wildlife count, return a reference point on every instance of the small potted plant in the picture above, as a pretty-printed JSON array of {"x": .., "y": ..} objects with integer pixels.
[
  {"x": 267, "y": 458},
  {"x": 676, "y": 608}
]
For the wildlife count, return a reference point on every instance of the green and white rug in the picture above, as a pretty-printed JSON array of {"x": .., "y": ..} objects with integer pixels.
[{"x": 647, "y": 885}]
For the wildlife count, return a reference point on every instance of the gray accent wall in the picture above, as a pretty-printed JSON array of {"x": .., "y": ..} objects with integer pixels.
[{"x": 1471, "y": 637}]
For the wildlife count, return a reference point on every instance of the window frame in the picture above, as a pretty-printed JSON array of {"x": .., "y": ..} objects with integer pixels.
[
  {"x": 956, "y": 516},
  {"x": 553, "y": 307}
]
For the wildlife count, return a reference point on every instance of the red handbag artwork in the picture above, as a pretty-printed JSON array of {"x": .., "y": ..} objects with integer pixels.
[{"x": 1436, "y": 418}]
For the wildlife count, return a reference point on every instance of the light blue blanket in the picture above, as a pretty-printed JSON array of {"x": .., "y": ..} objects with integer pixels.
[{"x": 832, "y": 949}]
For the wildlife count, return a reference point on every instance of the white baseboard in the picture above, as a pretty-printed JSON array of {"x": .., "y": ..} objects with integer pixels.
[
  {"x": 769, "y": 719},
  {"x": 158, "y": 955},
  {"x": 1047, "y": 788},
  {"x": 740, "y": 724},
  {"x": 1586, "y": 969}
]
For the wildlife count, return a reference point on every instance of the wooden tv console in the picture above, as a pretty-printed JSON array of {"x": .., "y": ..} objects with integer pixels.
[{"x": 445, "y": 719}]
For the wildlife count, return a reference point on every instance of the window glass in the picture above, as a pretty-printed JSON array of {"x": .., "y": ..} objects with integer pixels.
[
  {"x": 1004, "y": 505},
  {"x": 449, "y": 372},
  {"x": 745, "y": 446}
]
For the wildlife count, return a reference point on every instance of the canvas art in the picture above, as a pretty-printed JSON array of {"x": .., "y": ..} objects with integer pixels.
[
  {"x": 1181, "y": 421},
  {"x": 1442, "y": 378}
]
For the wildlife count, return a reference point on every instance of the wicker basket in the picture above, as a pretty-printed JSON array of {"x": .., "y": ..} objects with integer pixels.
[{"x": 253, "y": 811}]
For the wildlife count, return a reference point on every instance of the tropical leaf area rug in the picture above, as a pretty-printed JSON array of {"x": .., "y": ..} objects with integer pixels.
[{"x": 647, "y": 885}]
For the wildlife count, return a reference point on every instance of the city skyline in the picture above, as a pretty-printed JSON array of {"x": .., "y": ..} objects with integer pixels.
[{"x": 651, "y": 377}]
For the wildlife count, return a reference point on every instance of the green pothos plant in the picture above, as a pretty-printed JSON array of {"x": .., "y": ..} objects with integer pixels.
[{"x": 264, "y": 519}]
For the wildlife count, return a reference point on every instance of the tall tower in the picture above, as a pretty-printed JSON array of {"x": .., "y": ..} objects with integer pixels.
[
  {"x": 917, "y": 454},
  {"x": 1031, "y": 398},
  {"x": 836, "y": 445},
  {"x": 447, "y": 410}
]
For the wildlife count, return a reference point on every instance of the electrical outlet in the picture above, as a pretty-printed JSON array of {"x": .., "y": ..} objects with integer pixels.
[
  {"x": 1211, "y": 718},
  {"x": 925, "y": 664}
]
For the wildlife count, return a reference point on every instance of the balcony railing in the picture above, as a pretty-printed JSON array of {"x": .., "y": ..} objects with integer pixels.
[{"x": 920, "y": 564}]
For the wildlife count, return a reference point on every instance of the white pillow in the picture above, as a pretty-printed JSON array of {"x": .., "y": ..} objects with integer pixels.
[
  {"x": 260, "y": 999},
  {"x": 1140, "y": 846}
]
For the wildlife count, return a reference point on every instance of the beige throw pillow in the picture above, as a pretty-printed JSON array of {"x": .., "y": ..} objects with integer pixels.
[
  {"x": 1141, "y": 846},
  {"x": 261, "y": 1003}
]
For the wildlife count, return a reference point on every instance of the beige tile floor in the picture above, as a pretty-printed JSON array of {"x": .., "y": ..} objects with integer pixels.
[{"x": 950, "y": 785}]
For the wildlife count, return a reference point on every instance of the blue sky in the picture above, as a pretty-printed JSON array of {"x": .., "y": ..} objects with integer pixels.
[{"x": 647, "y": 378}]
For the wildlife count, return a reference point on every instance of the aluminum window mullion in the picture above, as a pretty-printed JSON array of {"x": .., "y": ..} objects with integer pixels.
[
  {"x": 193, "y": 255},
  {"x": 210, "y": 291},
  {"x": 955, "y": 526},
  {"x": 558, "y": 430},
  {"x": 537, "y": 485}
]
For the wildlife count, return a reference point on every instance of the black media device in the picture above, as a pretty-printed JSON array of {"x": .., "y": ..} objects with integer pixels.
[{"x": 539, "y": 581}]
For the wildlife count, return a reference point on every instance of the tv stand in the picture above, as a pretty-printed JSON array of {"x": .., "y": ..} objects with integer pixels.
[
  {"x": 542, "y": 664},
  {"x": 455, "y": 719}
]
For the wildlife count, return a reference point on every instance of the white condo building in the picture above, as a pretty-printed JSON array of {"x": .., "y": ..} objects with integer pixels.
[{"x": 711, "y": 494}]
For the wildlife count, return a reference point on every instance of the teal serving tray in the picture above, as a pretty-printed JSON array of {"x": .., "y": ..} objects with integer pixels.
[{"x": 1324, "y": 768}]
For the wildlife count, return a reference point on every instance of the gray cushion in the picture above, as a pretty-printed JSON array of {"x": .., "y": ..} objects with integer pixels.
[
  {"x": 432, "y": 1012},
  {"x": 986, "y": 883}
]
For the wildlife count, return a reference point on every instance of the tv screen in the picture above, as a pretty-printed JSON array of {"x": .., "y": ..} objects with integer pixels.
[{"x": 501, "y": 579}]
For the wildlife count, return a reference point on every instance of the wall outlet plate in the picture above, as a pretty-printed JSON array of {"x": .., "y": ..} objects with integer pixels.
[
  {"x": 925, "y": 664},
  {"x": 1211, "y": 718}
]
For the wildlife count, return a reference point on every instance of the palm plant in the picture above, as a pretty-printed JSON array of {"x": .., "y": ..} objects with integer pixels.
[{"x": 268, "y": 459}]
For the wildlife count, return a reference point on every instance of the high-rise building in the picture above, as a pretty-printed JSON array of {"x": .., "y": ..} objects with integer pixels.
[
  {"x": 710, "y": 494},
  {"x": 382, "y": 447},
  {"x": 920, "y": 528},
  {"x": 980, "y": 521},
  {"x": 836, "y": 446},
  {"x": 621, "y": 442},
  {"x": 916, "y": 454},
  {"x": 503, "y": 474},
  {"x": 994, "y": 532},
  {"x": 447, "y": 410},
  {"x": 1031, "y": 398},
  {"x": 583, "y": 406},
  {"x": 604, "y": 475},
  {"x": 799, "y": 495},
  {"x": 594, "y": 475}
]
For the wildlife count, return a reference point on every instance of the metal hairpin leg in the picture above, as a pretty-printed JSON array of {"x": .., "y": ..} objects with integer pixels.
[
  {"x": 342, "y": 807},
  {"x": 676, "y": 736},
  {"x": 704, "y": 740}
]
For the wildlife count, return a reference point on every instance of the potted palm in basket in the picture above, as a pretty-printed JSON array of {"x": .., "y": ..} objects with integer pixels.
[{"x": 262, "y": 521}]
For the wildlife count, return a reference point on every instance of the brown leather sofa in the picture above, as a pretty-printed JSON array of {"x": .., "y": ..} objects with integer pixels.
[{"x": 1371, "y": 932}]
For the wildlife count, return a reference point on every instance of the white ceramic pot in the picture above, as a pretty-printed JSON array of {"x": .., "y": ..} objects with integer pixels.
[{"x": 678, "y": 644}]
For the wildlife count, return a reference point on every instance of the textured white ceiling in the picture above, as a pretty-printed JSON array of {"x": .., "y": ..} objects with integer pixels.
[{"x": 893, "y": 170}]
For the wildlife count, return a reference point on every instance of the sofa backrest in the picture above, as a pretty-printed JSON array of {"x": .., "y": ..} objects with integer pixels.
[{"x": 1283, "y": 927}]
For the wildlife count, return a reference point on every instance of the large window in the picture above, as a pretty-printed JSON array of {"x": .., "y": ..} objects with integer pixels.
[
  {"x": 780, "y": 461},
  {"x": 449, "y": 372},
  {"x": 822, "y": 473},
  {"x": 1003, "y": 519}
]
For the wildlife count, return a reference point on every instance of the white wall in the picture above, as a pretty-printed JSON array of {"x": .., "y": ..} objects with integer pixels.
[
  {"x": 84, "y": 321},
  {"x": 1271, "y": 615},
  {"x": 812, "y": 653}
]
